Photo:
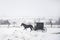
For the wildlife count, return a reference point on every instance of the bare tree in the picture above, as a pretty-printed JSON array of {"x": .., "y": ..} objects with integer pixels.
[
  {"x": 58, "y": 21},
  {"x": 14, "y": 23},
  {"x": 50, "y": 20},
  {"x": 8, "y": 23}
]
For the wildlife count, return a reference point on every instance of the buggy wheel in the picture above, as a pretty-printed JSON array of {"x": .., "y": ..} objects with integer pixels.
[{"x": 44, "y": 30}]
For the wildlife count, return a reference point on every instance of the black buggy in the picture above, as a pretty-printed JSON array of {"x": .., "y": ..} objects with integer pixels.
[{"x": 40, "y": 26}]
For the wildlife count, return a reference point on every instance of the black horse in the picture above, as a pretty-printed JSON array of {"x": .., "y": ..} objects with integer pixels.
[{"x": 27, "y": 26}]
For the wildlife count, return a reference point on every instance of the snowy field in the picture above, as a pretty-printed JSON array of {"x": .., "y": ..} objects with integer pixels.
[{"x": 17, "y": 33}]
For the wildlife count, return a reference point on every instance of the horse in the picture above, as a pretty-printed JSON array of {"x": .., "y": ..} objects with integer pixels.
[{"x": 27, "y": 26}]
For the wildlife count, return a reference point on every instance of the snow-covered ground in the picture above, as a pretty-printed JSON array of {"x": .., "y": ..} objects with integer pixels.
[{"x": 15, "y": 33}]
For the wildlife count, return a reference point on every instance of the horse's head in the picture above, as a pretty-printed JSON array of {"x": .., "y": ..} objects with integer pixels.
[{"x": 22, "y": 24}]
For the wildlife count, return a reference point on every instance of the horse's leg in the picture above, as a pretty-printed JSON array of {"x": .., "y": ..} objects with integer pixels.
[
  {"x": 31, "y": 29},
  {"x": 25, "y": 28}
]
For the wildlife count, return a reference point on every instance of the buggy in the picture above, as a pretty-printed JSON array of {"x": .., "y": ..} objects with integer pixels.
[{"x": 40, "y": 26}]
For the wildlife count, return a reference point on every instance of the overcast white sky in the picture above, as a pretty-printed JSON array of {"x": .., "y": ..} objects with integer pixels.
[{"x": 29, "y": 8}]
